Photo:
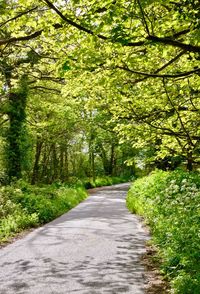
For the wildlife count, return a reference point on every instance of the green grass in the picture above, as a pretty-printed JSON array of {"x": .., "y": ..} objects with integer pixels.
[
  {"x": 24, "y": 206},
  {"x": 170, "y": 202}
]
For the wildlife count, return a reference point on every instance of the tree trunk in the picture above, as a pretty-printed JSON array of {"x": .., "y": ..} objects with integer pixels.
[
  {"x": 105, "y": 161},
  {"x": 112, "y": 159},
  {"x": 14, "y": 149},
  {"x": 92, "y": 158},
  {"x": 15, "y": 137},
  {"x": 39, "y": 144},
  {"x": 93, "y": 165},
  {"x": 55, "y": 163},
  {"x": 61, "y": 163},
  {"x": 189, "y": 161},
  {"x": 66, "y": 165},
  {"x": 45, "y": 163}
]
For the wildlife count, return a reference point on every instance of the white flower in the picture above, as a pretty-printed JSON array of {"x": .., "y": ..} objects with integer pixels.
[
  {"x": 173, "y": 182},
  {"x": 184, "y": 181},
  {"x": 18, "y": 190},
  {"x": 183, "y": 188}
]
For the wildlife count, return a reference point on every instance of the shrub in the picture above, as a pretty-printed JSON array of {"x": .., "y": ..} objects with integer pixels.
[
  {"x": 13, "y": 218},
  {"x": 17, "y": 222},
  {"x": 23, "y": 206},
  {"x": 170, "y": 201},
  {"x": 103, "y": 181},
  {"x": 49, "y": 202}
]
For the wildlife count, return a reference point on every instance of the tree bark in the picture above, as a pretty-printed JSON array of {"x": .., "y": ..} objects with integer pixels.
[
  {"x": 190, "y": 161},
  {"x": 39, "y": 144}
]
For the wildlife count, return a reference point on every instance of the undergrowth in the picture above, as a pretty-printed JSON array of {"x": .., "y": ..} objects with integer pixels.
[
  {"x": 23, "y": 206},
  {"x": 103, "y": 181},
  {"x": 170, "y": 202}
]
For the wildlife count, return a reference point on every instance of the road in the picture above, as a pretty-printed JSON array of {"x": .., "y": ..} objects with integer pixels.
[{"x": 94, "y": 248}]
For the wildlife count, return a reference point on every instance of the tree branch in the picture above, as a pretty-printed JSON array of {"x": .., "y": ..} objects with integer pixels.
[
  {"x": 162, "y": 40},
  {"x": 174, "y": 43},
  {"x": 18, "y": 16},
  {"x": 154, "y": 75},
  {"x": 178, "y": 114},
  {"x": 168, "y": 41},
  {"x": 81, "y": 28},
  {"x": 71, "y": 22},
  {"x": 178, "y": 34},
  {"x": 162, "y": 67},
  {"x": 45, "y": 88},
  {"x": 24, "y": 38},
  {"x": 28, "y": 37},
  {"x": 53, "y": 79},
  {"x": 4, "y": 121},
  {"x": 143, "y": 18}
]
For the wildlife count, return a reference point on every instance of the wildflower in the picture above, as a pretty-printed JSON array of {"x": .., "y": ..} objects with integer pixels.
[
  {"x": 173, "y": 182},
  {"x": 184, "y": 181}
]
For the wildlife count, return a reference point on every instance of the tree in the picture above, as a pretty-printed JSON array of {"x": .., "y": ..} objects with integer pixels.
[
  {"x": 16, "y": 132},
  {"x": 139, "y": 59},
  {"x": 20, "y": 66},
  {"x": 145, "y": 68}
]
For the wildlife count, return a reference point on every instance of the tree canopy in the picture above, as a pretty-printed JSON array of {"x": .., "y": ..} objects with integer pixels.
[{"x": 120, "y": 72}]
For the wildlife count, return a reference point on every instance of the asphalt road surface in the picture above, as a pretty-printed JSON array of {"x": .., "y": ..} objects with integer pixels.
[{"x": 94, "y": 248}]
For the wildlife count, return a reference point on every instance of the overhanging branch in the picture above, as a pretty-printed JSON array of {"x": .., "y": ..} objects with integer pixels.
[
  {"x": 24, "y": 38},
  {"x": 71, "y": 22},
  {"x": 154, "y": 75},
  {"x": 167, "y": 41},
  {"x": 45, "y": 89},
  {"x": 162, "y": 40},
  {"x": 18, "y": 16},
  {"x": 174, "y": 43},
  {"x": 162, "y": 67}
]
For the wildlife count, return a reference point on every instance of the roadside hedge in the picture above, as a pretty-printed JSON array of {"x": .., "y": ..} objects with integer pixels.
[{"x": 170, "y": 202}]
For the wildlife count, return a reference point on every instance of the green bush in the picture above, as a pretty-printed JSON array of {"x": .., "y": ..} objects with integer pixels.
[
  {"x": 49, "y": 202},
  {"x": 6, "y": 205},
  {"x": 170, "y": 201},
  {"x": 23, "y": 206},
  {"x": 13, "y": 218},
  {"x": 103, "y": 181},
  {"x": 17, "y": 222}
]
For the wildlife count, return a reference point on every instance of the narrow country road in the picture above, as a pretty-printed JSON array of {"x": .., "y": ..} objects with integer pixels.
[{"x": 95, "y": 248}]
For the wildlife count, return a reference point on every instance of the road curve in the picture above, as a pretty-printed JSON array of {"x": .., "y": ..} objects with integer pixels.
[{"x": 94, "y": 248}]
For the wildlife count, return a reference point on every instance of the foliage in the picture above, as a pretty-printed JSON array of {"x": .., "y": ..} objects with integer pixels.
[
  {"x": 13, "y": 218},
  {"x": 134, "y": 64},
  {"x": 23, "y": 206},
  {"x": 106, "y": 83},
  {"x": 103, "y": 181},
  {"x": 170, "y": 203}
]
